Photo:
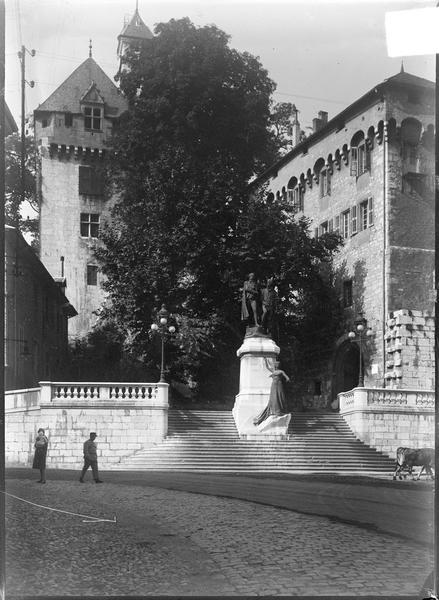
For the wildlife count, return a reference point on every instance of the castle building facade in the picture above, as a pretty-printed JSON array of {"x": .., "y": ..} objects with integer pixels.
[
  {"x": 73, "y": 129},
  {"x": 368, "y": 174},
  {"x": 36, "y": 317}
]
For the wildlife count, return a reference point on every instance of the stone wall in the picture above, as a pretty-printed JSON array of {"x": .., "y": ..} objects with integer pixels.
[
  {"x": 390, "y": 260},
  {"x": 386, "y": 419},
  {"x": 60, "y": 235},
  {"x": 126, "y": 417},
  {"x": 410, "y": 350}
]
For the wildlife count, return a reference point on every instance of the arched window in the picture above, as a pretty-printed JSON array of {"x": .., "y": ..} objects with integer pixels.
[
  {"x": 360, "y": 155},
  {"x": 295, "y": 194},
  {"x": 322, "y": 175}
]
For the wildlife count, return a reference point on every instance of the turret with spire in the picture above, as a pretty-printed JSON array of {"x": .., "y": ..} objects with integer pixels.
[{"x": 134, "y": 32}]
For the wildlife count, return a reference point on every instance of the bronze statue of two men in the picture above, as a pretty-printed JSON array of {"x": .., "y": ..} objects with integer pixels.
[{"x": 259, "y": 306}]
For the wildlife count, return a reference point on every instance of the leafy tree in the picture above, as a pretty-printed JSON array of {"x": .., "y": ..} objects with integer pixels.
[
  {"x": 16, "y": 201},
  {"x": 281, "y": 119},
  {"x": 185, "y": 230}
]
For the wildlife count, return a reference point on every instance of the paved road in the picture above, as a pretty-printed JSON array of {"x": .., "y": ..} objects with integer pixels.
[{"x": 168, "y": 542}]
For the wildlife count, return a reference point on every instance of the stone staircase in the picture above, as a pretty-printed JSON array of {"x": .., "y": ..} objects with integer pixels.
[{"x": 207, "y": 441}]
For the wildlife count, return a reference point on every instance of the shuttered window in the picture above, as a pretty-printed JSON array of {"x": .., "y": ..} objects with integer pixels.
[
  {"x": 91, "y": 181},
  {"x": 354, "y": 161},
  {"x": 370, "y": 211},
  {"x": 354, "y": 228},
  {"x": 360, "y": 159},
  {"x": 92, "y": 275}
]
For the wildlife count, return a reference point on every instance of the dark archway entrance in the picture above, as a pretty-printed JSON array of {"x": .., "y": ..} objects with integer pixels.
[{"x": 347, "y": 368}]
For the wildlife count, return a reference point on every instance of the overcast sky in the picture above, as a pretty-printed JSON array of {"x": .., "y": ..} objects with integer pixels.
[{"x": 322, "y": 55}]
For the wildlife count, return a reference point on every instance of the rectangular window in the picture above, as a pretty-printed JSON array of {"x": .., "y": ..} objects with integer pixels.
[
  {"x": 92, "y": 275},
  {"x": 298, "y": 198},
  {"x": 337, "y": 224},
  {"x": 363, "y": 159},
  {"x": 295, "y": 196},
  {"x": 354, "y": 228},
  {"x": 324, "y": 228},
  {"x": 316, "y": 232},
  {"x": 363, "y": 215},
  {"x": 331, "y": 225},
  {"x": 325, "y": 183},
  {"x": 360, "y": 160},
  {"x": 91, "y": 181},
  {"x": 44, "y": 123},
  {"x": 345, "y": 224},
  {"x": 68, "y": 119},
  {"x": 92, "y": 118},
  {"x": 89, "y": 225},
  {"x": 347, "y": 293}
]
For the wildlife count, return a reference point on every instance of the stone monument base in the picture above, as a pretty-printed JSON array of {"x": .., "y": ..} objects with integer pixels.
[{"x": 254, "y": 389}]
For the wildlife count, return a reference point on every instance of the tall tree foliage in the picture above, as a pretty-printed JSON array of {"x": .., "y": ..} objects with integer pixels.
[
  {"x": 18, "y": 201},
  {"x": 185, "y": 230}
]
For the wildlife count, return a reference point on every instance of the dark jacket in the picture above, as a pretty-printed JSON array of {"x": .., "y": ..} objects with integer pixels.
[{"x": 90, "y": 450}]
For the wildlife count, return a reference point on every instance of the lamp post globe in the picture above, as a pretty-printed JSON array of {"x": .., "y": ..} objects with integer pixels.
[
  {"x": 360, "y": 326},
  {"x": 160, "y": 326}
]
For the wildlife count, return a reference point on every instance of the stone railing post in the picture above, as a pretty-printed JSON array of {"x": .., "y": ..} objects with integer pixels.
[
  {"x": 46, "y": 392},
  {"x": 162, "y": 401}
]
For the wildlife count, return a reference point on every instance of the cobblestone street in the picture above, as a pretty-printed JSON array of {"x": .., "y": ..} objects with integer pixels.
[{"x": 171, "y": 542}]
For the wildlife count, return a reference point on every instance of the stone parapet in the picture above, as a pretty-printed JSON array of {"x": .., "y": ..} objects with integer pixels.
[
  {"x": 388, "y": 418},
  {"x": 410, "y": 349},
  {"x": 126, "y": 416}
]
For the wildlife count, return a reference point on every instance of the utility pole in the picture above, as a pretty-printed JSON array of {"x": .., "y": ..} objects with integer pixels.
[
  {"x": 22, "y": 57},
  {"x": 2, "y": 297}
]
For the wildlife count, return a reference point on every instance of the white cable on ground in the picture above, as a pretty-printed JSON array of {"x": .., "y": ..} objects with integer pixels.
[{"x": 88, "y": 519}]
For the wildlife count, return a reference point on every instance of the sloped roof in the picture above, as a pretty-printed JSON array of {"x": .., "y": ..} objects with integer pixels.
[
  {"x": 13, "y": 236},
  {"x": 401, "y": 78},
  {"x": 67, "y": 96},
  {"x": 136, "y": 29},
  {"x": 408, "y": 79}
]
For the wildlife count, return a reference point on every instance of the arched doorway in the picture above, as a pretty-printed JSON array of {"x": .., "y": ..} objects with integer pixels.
[{"x": 346, "y": 368}]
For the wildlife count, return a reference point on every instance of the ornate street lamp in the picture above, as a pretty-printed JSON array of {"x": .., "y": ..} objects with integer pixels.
[
  {"x": 161, "y": 327},
  {"x": 362, "y": 333}
]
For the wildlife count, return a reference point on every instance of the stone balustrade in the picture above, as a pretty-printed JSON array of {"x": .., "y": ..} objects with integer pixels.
[
  {"x": 126, "y": 416},
  {"x": 388, "y": 418},
  {"x": 155, "y": 394}
]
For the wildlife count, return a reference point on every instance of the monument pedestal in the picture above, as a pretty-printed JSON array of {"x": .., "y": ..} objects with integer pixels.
[{"x": 254, "y": 389}]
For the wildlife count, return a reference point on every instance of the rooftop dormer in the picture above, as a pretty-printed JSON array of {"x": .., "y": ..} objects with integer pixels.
[{"x": 81, "y": 111}]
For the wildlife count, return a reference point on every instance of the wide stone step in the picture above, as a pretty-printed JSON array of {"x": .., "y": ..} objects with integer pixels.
[{"x": 207, "y": 441}]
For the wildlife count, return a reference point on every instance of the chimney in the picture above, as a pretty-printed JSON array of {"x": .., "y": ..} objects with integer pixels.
[
  {"x": 316, "y": 124},
  {"x": 319, "y": 121},
  {"x": 323, "y": 116}
]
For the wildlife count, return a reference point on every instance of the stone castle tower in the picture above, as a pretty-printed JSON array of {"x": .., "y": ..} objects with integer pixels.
[{"x": 72, "y": 129}]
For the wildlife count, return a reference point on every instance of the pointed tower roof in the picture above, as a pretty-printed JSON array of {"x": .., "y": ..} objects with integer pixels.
[
  {"x": 136, "y": 29},
  {"x": 87, "y": 77}
]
